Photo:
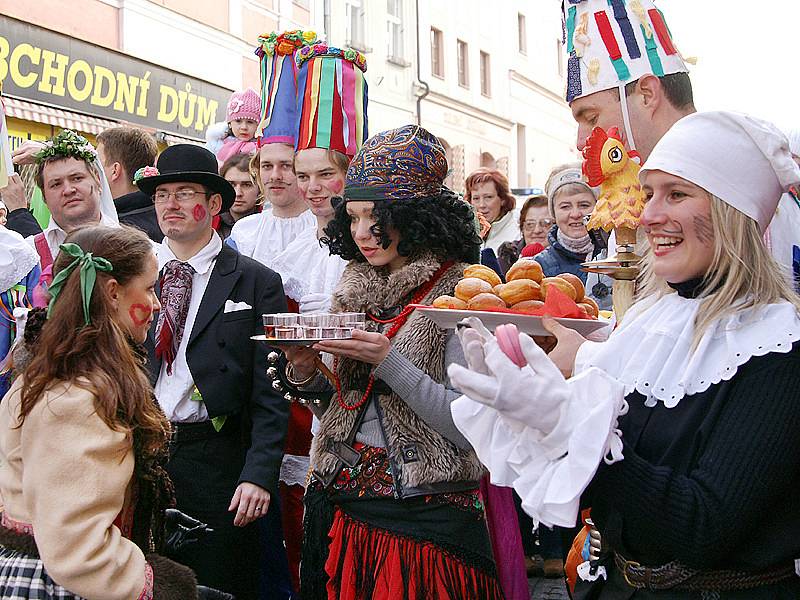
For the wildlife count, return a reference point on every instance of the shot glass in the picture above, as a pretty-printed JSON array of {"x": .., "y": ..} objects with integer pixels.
[
  {"x": 285, "y": 320},
  {"x": 269, "y": 325},
  {"x": 285, "y": 333}
]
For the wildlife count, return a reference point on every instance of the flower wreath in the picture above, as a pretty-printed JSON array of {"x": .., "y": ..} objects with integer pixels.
[
  {"x": 321, "y": 49},
  {"x": 285, "y": 43},
  {"x": 67, "y": 143}
]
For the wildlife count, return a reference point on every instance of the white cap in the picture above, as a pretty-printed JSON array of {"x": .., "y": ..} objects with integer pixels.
[
  {"x": 610, "y": 43},
  {"x": 742, "y": 160}
]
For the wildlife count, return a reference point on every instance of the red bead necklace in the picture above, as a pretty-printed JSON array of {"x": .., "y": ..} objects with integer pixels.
[{"x": 397, "y": 322}]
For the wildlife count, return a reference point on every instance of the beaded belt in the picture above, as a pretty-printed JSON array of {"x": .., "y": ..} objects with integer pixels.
[{"x": 677, "y": 577}]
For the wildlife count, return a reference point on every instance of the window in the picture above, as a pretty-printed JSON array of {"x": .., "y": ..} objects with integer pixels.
[
  {"x": 463, "y": 64},
  {"x": 560, "y": 54},
  {"x": 522, "y": 32},
  {"x": 394, "y": 25},
  {"x": 355, "y": 25},
  {"x": 437, "y": 53},
  {"x": 486, "y": 75}
]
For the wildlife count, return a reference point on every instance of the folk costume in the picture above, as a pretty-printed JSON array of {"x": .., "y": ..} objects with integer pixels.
[
  {"x": 395, "y": 486},
  {"x": 264, "y": 236},
  {"x": 685, "y": 451},
  {"x": 70, "y": 144},
  {"x": 19, "y": 276},
  {"x": 82, "y": 503},
  {"x": 229, "y": 424},
  {"x": 332, "y": 114}
]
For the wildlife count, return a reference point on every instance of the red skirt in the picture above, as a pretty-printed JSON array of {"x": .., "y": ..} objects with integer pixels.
[{"x": 369, "y": 563}]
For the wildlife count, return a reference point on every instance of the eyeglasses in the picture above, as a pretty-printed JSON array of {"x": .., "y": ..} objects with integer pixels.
[
  {"x": 182, "y": 196},
  {"x": 541, "y": 223}
]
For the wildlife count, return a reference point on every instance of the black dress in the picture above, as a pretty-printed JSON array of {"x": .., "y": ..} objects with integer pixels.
[{"x": 711, "y": 482}]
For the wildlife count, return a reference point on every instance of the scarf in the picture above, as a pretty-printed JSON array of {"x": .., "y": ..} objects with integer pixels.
[{"x": 582, "y": 245}]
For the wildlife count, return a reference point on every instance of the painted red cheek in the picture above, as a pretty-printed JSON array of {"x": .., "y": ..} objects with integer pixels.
[
  {"x": 139, "y": 314},
  {"x": 336, "y": 187},
  {"x": 199, "y": 213}
]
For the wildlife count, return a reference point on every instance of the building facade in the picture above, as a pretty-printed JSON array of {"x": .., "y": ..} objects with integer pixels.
[
  {"x": 488, "y": 80},
  {"x": 166, "y": 66}
]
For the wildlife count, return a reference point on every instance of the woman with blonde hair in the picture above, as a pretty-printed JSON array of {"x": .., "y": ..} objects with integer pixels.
[{"x": 682, "y": 431}]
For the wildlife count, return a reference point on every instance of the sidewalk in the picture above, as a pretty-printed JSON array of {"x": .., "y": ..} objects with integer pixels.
[{"x": 547, "y": 589}]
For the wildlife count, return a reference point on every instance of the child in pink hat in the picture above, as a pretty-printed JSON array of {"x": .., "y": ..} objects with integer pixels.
[{"x": 238, "y": 135}]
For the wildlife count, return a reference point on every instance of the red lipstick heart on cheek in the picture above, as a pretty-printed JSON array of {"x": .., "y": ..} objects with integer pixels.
[{"x": 139, "y": 314}]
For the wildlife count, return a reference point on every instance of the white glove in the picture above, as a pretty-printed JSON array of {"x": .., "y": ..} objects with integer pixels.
[
  {"x": 314, "y": 303},
  {"x": 532, "y": 395}
]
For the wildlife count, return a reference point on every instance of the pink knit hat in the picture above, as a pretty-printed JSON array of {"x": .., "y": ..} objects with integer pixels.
[{"x": 244, "y": 105}]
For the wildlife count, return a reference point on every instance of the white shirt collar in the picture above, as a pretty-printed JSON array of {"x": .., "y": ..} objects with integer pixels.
[{"x": 201, "y": 262}]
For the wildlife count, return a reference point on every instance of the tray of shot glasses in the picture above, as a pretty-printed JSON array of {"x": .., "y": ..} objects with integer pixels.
[{"x": 292, "y": 329}]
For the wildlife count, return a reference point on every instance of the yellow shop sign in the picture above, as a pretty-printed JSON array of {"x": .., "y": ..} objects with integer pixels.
[{"x": 45, "y": 66}]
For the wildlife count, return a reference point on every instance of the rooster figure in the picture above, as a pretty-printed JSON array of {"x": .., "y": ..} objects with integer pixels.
[{"x": 606, "y": 163}]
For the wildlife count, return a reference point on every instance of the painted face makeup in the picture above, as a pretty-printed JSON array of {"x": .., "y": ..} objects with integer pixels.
[
  {"x": 140, "y": 314},
  {"x": 199, "y": 212},
  {"x": 319, "y": 179},
  {"x": 677, "y": 220}
]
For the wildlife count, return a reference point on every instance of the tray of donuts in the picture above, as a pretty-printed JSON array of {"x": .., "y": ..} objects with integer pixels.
[{"x": 525, "y": 297}]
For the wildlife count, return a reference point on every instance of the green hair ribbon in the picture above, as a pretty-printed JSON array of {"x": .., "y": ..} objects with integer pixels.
[{"x": 89, "y": 266}]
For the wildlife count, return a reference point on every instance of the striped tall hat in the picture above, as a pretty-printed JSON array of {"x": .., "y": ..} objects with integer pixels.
[
  {"x": 331, "y": 99},
  {"x": 279, "y": 84},
  {"x": 610, "y": 43}
]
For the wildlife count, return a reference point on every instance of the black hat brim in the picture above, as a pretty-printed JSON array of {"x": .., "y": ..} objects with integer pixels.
[{"x": 215, "y": 183}]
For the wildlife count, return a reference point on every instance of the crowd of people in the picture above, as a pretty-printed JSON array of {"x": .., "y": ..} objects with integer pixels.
[{"x": 149, "y": 449}]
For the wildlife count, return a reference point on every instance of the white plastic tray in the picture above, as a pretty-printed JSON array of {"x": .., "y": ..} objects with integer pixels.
[{"x": 447, "y": 318}]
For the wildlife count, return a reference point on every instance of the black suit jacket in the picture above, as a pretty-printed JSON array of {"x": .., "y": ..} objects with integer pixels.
[{"x": 229, "y": 369}]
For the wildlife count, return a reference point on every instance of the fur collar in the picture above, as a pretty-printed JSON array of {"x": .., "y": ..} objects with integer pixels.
[{"x": 363, "y": 288}]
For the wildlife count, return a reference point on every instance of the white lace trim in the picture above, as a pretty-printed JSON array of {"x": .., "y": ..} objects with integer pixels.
[
  {"x": 263, "y": 237},
  {"x": 306, "y": 267},
  {"x": 651, "y": 351},
  {"x": 17, "y": 258},
  {"x": 294, "y": 469},
  {"x": 549, "y": 472}
]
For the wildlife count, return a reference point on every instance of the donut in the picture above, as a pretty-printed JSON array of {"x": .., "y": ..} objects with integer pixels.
[
  {"x": 525, "y": 268},
  {"x": 496, "y": 289},
  {"x": 575, "y": 282},
  {"x": 449, "y": 302},
  {"x": 595, "y": 310},
  {"x": 483, "y": 272},
  {"x": 471, "y": 286},
  {"x": 484, "y": 301},
  {"x": 527, "y": 306},
  {"x": 520, "y": 290},
  {"x": 562, "y": 284}
]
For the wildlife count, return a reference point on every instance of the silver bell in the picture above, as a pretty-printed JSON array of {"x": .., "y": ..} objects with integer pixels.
[
  {"x": 272, "y": 373},
  {"x": 276, "y": 385},
  {"x": 272, "y": 358}
]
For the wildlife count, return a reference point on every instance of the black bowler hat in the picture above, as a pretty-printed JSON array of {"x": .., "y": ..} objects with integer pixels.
[{"x": 189, "y": 163}]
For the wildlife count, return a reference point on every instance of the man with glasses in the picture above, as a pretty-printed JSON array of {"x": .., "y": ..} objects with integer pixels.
[{"x": 210, "y": 379}]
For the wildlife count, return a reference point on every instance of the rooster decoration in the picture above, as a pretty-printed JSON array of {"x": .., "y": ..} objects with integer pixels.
[{"x": 606, "y": 163}]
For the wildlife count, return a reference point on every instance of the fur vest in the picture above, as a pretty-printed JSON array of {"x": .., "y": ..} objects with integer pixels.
[{"x": 419, "y": 454}]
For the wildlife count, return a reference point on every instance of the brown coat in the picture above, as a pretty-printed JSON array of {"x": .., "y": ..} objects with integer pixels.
[
  {"x": 65, "y": 476},
  {"x": 434, "y": 459}
]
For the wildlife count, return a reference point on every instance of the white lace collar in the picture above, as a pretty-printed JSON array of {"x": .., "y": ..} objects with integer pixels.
[
  {"x": 651, "y": 351},
  {"x": 308, "y": 267},
  {"x": 17, "y": 258}
]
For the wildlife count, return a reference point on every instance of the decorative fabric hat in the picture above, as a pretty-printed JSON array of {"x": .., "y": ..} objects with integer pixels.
[
  {"x": 186, "y": 163},
  {"x": 752, "y": 173},
  {"x": 331, "y": 99},
  {"x": 568, "y": 175},
  {"x": 399, "y": 164},
  {"x": 278, "y": 117},
  {"x": 613, "y": 42},
  {"x": 244, "y": 105},
  {"x": 68, "y": 143}
]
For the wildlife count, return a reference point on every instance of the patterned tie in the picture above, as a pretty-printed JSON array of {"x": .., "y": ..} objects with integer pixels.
[{"x": 176, "y": 293}]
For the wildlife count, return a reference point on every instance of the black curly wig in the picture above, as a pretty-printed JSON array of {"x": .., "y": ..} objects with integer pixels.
[{"x": 442, "y": 225}]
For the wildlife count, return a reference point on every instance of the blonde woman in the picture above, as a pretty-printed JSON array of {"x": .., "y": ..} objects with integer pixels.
[{"x": 693, "y": 402}]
